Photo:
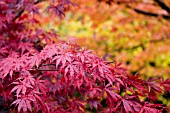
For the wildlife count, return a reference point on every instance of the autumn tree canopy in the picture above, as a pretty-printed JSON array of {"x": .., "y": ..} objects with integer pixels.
[{"x": 40, "y": 72}]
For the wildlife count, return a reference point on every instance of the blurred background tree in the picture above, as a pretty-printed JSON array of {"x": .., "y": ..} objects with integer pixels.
[{"x": 136, "y": 33}]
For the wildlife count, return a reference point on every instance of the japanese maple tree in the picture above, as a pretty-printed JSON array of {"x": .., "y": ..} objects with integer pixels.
[{"x": 41, "y": 73}]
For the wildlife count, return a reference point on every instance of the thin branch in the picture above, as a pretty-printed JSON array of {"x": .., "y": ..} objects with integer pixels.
[
  {"x": 39, "y": 68},
  {"x": 163, "y": 5},
  {"x": 160, "y": 3},
  {"x": 110, "y": 2},
  {"x": 43, "y": 70},
  {"x": 148, "y": 13},
  {"x": 152, "y": 14},
  {"x": 109, "y": 63},
  {"x": 18, "y": 15},
  {"x": 46, "y": 65},
  {"x": 38, "y": 1}
]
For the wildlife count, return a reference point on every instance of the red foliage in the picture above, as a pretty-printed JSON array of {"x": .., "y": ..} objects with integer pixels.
[{"x": 63, "y": 77}]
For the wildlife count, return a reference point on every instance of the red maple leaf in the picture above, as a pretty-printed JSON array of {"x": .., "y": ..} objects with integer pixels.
[
  {"x": 10, "y": 64},
  {"x": 20, "y": 87},
  {"x": 25, "y": 46},
  {"x": 58, "y": 10},
  {"x": 23, "y": 103}
]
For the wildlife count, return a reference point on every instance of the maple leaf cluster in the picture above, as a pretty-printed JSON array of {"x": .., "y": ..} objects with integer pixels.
[{"x": 63, "y": 77}]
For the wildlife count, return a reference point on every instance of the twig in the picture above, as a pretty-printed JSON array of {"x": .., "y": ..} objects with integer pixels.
[
  {"x": 152, "y": 14},
  {"x": 148, "y": 13},
  {"x": 163, "y": 5},
  {"x": 43, "y": 70}
]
